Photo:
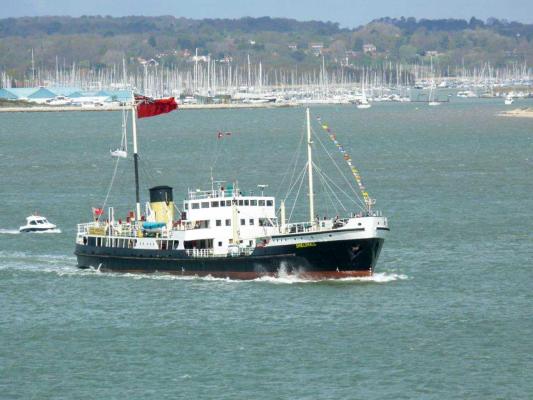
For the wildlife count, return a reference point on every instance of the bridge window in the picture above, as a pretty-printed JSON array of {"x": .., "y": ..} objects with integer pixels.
[
  {"x": 219, "y": 222},
  {"x": 261, "y": 203},
  {"x": 243, "y": 222},
  {"x": 241, "y": 202},
  {"x": 204, "y": 224},
  {"x": 251, "y": 221},
  {"x": 253, "y": 202},
  {"x": 228, "y": 222},
  {"x": 205, "y": 204},
  {"x": 246, "y": 202},
  {"x": 214, "y": 204},
  {"x": 270, "y": 203},
  {"x": 195, "y": 206}
]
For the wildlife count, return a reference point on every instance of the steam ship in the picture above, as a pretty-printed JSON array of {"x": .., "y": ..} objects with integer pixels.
[{"x": 229, "y": 232}]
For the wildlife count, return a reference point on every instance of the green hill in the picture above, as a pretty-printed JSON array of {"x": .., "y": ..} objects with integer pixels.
[{"x": 100, "y": 41}]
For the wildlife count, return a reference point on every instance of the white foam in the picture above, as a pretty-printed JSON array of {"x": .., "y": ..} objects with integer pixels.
[
  {"x": 36, "y": 262},
  {"x": 380, "y": 277},
  {"x": 289, "y": 279},
  {"x": 161, "y": 276},
  {"x": 17, "y": 232},
  {"x": 57, "y": 230},
  {"x": 9, "y": 231},
  {"x": 283, "y": 278}
]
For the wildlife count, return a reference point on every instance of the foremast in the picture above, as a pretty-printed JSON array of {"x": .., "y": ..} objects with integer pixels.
[{"x": 310, "y": 168}]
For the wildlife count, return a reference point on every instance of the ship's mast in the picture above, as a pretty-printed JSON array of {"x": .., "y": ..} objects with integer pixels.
[
  {"x": 310, "y": 168},
  {"x": 136, "y": 160}
]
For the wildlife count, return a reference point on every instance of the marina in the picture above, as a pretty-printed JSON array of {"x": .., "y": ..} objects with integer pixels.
[{"x": 208, "y": 83}]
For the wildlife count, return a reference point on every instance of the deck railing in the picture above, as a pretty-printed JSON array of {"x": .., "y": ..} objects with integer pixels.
[
  {"x": 243, "y": 251},
  {"x": 200, "y": 252}
]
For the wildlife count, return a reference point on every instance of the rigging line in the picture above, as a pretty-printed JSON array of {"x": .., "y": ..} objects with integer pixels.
[
  {"x": 296, "y": 181},
  {"x": 149, "y": 178},
  {"x": 295, "y": 161},
  {"x": 146, "y": 174},
  {"x": 328, "y": 190},
  {"x": 148, "y": 169},
  {"x": 350, "y": 184},
  {"x": 342, "y": 191},
  {"x": 368, "y": 201},
  {"x": 322, "y": 186},
  {"x": 111, "y": 183},
  {"x": 217, "y": 151},
  {"x": 297, "y": 194},
  {"x": 325, "y": 184},
  {"x": 325, "y": 177},
  {"x": 350, "y": 199}
]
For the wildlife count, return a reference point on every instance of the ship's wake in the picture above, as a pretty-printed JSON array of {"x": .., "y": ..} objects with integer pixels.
[
  {"x": 17, "y": 232},
  {"x": 9, "y": 231},
  {"x": 21, "y": 261}
]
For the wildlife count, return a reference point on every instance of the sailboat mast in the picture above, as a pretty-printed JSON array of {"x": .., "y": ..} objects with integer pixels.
[
  {"x": 136, "y": 160},
  {"x": 310, "y": 168}
]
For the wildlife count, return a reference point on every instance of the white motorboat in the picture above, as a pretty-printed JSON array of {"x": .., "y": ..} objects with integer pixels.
[{"x": 37, "y": 223}]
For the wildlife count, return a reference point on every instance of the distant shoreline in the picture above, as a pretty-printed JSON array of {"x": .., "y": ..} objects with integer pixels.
[
  {"x": 518, "y": 112},
  {"x": 118, "y": 108}
]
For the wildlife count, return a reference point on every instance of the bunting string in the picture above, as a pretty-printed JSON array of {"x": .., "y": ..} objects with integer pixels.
[{"x": 355, "y": 172}]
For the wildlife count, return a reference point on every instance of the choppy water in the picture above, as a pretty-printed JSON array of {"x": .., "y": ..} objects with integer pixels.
[{"x": 447, "y": 315}]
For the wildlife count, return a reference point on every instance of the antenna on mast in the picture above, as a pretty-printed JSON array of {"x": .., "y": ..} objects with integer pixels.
[{"x": 262, "y": 188}]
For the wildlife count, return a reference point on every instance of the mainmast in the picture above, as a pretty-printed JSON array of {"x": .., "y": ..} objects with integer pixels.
[
  {"x": 310, "y": 168},
  {"x": 136, "y": 160}
]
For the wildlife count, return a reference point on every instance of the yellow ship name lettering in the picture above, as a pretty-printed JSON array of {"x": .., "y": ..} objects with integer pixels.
[{"x": 304, "y": 245}]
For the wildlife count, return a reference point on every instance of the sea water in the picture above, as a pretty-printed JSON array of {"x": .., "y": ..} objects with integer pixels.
[{"x": 446, "y": 316}]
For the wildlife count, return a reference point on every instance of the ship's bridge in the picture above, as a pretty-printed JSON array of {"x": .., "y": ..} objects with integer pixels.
[{"x": 208, "y": 204}]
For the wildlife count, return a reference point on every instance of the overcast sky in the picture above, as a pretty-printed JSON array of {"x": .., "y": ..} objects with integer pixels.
[{"x": 349, "y": 13}]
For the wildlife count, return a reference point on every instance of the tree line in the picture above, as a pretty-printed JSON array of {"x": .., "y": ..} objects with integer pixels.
[{"x": 100, "y": 41}]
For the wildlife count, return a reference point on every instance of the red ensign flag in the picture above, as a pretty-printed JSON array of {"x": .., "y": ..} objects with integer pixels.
[{"x": 151, "y": 107}]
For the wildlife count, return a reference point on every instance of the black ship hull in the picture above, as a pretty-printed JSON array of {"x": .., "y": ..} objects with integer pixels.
[{"x": 320, "y": 260}]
